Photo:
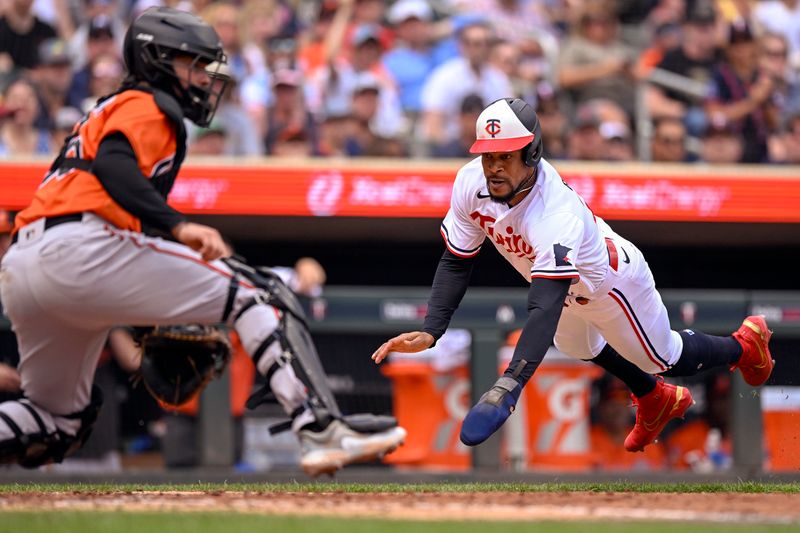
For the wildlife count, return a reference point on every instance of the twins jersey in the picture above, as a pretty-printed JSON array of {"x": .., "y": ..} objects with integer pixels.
[{"x": 551, "y": 233}]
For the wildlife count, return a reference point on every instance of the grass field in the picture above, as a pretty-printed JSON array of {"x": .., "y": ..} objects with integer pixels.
[
  {"x": 354, "y": 508},
  {"x": 87, "y": 522}
]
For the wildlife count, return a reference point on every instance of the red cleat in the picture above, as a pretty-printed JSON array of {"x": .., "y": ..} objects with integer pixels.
[
  {"x": 756, "y": 363},
  {"x": 655, "y": 409}
]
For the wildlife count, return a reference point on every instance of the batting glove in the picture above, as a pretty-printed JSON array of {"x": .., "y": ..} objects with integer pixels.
[{"x": 491, "y": 411}]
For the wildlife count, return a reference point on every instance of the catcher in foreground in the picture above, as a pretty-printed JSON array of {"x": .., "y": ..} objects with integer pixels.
[{"x": 80, "y": 263}]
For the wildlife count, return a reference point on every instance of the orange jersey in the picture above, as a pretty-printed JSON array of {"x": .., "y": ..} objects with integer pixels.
[{"x": 153, "y": 136}]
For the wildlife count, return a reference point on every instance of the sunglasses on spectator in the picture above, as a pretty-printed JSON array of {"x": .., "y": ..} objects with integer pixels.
[{"x": 665, "y": 139}]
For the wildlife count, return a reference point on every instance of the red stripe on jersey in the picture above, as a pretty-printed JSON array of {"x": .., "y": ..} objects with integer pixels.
[
  {"x": 173, "y": 253},
  {"x": 573, "y": 276},
  {"x": 636, "y": 331}
]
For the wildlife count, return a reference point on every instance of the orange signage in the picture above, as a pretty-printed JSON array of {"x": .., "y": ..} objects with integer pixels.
[{"x": 401, "y": 188}]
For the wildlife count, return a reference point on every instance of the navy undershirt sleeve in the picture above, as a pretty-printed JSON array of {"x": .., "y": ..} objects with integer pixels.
[
  {"x": 448, "y": 288},
  {"x": 117, "y": 169},
  {"x": 545, "y": 303}
]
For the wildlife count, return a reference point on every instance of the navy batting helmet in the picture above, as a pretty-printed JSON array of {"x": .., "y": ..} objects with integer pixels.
[{"x": 161, "y": 34}]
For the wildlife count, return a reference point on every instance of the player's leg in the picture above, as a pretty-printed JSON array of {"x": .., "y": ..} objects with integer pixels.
[
  {"x": 57, "y": 363},
  {"x": 577, "y": 338},
  {"x": 648, "y": 341},
  {"x": 190, "y": 290},
  {"x": 634, "y": 320},
  {"x": 746, "y": 349},
  {"x": 331, "y": 439},
  {"x": 127, "y": 278}
]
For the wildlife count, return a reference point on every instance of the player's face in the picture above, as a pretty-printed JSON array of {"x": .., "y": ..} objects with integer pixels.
[
  {"x": 191, "y": 72},
  {"x": 504, "y": 172}
]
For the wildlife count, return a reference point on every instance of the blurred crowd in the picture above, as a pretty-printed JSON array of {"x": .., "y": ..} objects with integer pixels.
[
  {"x": 701, "y": 443},
  {"x": 662, "y": 80}
]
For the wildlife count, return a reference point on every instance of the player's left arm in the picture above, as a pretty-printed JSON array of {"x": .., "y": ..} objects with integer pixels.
[
  {"x": 556, "y": 242},
  {"x": 545, "y": 303},
  {"x": 116, "y": 166}
]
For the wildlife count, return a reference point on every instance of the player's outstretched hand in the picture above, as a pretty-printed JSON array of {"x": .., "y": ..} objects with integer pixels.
[
  {"x": 412, "y": 342},
  {"x": 203, "y": 239}
]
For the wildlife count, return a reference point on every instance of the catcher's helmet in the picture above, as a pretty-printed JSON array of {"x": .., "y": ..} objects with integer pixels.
[
  {"x": 156, "y": 38},
  {"x": 507, "y": 125}
]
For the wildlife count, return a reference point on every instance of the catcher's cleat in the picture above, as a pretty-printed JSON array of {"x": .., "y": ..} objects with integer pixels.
[
  {"x": 491, "y": 411},
  {"x": 326, "y": 451},
  {"x": 655, "y": 409},
  {"x": 756, "y": 362}
]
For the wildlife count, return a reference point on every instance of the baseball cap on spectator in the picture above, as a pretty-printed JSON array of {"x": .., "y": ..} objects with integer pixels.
[
  {"x": 718, "y": 125},
  {"x": 365, "y": 33},
  {"x": 404, "y": 10},
  {"x": 327, "y": 9},
  {"x": 462, "y": 21},
  {"x": 472, "y": 103},
  {"x": 66, "y": 117},
  {"x": 107, "y": 69},
  {"x": 215, "y": 128},
  {"x": 282, "y": 45},
  {"x": 53, "y": 52},
  {"x": 366, "y": 81},
  {"x": 287, "y": 77},
  {"x": 587, "y": 117},
  {"x": 702, "y": 13},
  {"x": 614, "y": 131},
  {"x": 100, "y": 26},
  {"x": 666, "y": 29},
  {"x": 739, "y": 32},
  {"x": 546, "y": 98}
]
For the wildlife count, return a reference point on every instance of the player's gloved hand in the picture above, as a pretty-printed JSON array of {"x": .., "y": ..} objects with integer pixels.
[{"x": 491, "y": 411}]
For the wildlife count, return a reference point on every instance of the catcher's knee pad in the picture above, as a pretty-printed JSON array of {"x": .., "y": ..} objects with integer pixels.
[
  {"x": 31, "y": 437},
  {"x": 256, "y": 323},
  {"x": 258, "y": 327},
  {"x": 274, "y": 331}
]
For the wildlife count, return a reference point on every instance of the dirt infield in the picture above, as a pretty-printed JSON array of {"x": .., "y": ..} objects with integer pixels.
[{"x": 770, "y": 508}]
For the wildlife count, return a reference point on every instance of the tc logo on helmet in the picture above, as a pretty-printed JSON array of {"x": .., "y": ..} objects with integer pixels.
[{"x": 493, "y": 126}]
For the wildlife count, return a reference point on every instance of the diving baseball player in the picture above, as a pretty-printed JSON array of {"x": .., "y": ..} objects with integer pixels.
[
  {"x": 591, "y": 291},
  {"x": 80, "y": 263}
]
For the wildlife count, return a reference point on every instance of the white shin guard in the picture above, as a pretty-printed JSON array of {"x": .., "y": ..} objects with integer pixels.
[{"x": 255, "y": 327}]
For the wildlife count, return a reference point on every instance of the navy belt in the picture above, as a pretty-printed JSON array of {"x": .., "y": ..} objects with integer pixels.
[{"x": 54, "y": 221}]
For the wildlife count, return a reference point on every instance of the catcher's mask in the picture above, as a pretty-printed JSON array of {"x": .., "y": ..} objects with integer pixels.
[
  {"x": 162, "y": 34},
  {"x": 178, "y": 361}
]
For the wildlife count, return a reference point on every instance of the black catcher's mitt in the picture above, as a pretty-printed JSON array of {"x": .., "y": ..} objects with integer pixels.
[{"x": 178, "y": 361}]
